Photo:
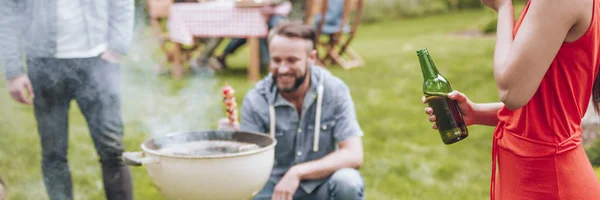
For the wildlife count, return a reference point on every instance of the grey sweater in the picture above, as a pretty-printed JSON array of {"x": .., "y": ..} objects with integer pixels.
[{"x": 29, "y": 26}]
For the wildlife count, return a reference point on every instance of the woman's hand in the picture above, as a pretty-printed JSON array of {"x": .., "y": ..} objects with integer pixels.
[{"x": 466, "y": 107}]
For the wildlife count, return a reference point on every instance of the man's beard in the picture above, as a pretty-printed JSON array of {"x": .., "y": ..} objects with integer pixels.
[{"x": 299, "y": 80}]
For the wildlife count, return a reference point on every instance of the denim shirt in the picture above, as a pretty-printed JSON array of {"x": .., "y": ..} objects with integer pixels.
[
  {"x": 333, "y": 18},
  {"x": 295, "y": 134}
]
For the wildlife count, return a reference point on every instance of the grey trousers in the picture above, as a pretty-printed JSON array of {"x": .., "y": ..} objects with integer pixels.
[
  {"x": 94, "y": 84},
  {"x": 344, "y": 184}
]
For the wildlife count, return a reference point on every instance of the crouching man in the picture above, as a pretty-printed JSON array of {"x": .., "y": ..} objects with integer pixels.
[{"x": 311, "y": 114}]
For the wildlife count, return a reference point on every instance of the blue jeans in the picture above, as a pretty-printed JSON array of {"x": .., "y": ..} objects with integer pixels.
[
  {"x": 94, "y": 84},
  {"x": 236, "y": 43},
  {"x": 344, "y": 184}
]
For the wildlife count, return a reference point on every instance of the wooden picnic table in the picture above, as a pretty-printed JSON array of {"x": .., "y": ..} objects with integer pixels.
[{"x": 217, "y": 19}]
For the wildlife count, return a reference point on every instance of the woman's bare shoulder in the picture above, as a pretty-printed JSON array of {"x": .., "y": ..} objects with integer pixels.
[{"x": 584, "y": 10}]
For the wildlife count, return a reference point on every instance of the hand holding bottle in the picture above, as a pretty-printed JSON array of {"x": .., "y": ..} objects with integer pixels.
[
  {"x": 449, "y": 120},
  {"x": 466, "y": 107}
]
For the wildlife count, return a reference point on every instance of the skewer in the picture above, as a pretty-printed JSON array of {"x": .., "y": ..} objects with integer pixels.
[{"x": 230, "y": 104}]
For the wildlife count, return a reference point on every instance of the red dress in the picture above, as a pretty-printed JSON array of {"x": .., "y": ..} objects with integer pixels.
[{"x": 538, "y": 147}]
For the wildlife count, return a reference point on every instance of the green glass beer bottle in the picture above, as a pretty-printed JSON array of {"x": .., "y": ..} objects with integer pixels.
[{"x": 449, "y": 120}]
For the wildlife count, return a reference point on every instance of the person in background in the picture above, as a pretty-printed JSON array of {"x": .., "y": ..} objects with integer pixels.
[
  {"x": 72, "y": 51},
  {"x": 275, "y": 13},
  {"x": 311, "y": 114},
  {"x": 546, "y": 68},
  {"x": 333, "y": 18},
  {"x": 291, "y": 11},
  {"x": 206, "y": 60},
  {"x": 298, "y": 11}
]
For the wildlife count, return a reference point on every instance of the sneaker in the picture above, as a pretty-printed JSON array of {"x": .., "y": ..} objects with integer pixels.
[{"x": 221, "y": 60}]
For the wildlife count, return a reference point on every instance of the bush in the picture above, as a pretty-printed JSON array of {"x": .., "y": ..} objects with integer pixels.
[
  {"x": 376, "y": 10},
  {"x": 593, "y": 153},
  {"x": 469, "y": 4},
  {"x": 491, "y": 26}
]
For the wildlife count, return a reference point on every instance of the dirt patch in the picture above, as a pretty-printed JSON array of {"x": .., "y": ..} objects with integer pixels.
[
  {"x": 591, "y": 128},
  {"x": 590, "y": 133},
  {"x": 590, "y": 125},
  {"x": 473, "y": 33}
]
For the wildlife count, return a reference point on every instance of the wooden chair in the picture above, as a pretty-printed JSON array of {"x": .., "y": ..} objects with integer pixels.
[
  {"x": 336, "y": 49},
  {"x": 158, "y": 13}
]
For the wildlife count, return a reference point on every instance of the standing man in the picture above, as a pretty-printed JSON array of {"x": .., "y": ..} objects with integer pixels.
[
  {"x": 72, "y": 50},
  {"x": 311, "y": 114}
]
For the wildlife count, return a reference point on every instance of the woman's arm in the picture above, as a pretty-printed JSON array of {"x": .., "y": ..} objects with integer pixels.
[
  {"x": 472, "y": 113},
  {"x": 486, "y": 113},
  {"x": 521, "y": 63}
]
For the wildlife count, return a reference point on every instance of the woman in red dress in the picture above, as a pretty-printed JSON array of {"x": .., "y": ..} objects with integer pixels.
[{"x": 546, "y": 70}]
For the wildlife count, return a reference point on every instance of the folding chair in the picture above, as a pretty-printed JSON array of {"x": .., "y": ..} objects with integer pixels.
[
  {"x": 340, "y": 32},
  {"x": 158, "y": 13}
]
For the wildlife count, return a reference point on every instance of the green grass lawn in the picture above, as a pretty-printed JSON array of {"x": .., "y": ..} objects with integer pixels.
[{"x": 404, "y": 157}]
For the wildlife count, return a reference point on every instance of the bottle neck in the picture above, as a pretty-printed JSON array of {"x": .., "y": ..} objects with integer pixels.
[{"x": 427, "y": 66}]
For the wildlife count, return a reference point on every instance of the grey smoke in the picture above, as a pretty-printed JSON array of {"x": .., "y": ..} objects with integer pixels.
[{"x": 152, "y": 103}]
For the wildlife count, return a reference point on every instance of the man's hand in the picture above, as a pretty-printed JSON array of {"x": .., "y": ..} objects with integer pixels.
[
  {"x": 226, "y": 125},
  {"x": 111, "y": 57},
  {"x": 287, "y": 186},
  {"x": 17, "y": 87}
]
